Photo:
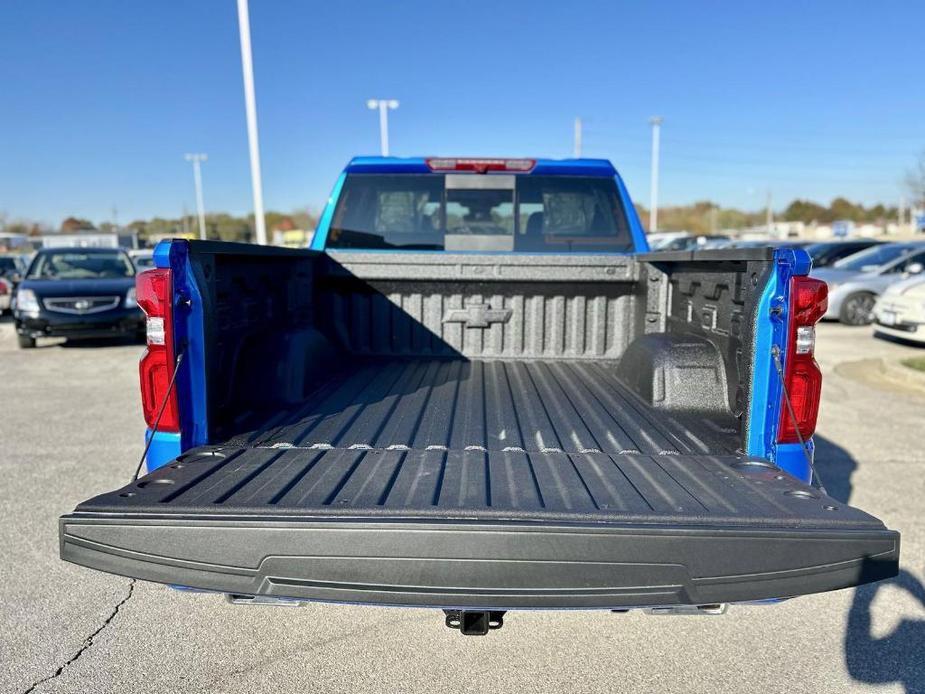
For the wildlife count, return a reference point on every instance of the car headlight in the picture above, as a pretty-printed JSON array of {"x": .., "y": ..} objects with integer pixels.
[
  {"x": 130, "y": 299},
  {"x": 27, "y": 302}
]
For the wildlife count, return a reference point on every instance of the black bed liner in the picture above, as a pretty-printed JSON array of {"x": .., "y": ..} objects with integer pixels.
[
  {"x": 492, "y": 405},
  {"x": 479, "y": 495},
  {"x": 688, "y": 490}
]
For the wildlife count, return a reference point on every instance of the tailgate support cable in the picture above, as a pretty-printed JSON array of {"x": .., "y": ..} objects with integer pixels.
[
  {"x": 815, "y": 480},
  {"x": 157, "y": 420}
]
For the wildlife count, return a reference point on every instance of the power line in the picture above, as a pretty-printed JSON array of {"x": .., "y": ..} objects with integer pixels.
[
  {"x": 760, "y": 175},
  {"x": 775, "y": 145},
  {"x": 767, "y": 163},
  {"x": 764, "y": 132}
]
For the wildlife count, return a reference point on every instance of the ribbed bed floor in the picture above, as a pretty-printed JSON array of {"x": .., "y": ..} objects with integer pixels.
[
  {"x": 479, "y": 439},
  {"x": 537, "y": 406}
]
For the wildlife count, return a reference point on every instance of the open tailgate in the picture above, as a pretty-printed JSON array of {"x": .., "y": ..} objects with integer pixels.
[{"x": 478, "y": 529}]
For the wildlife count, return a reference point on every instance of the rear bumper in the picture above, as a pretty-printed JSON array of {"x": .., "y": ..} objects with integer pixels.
[
  {"x": 114, "y": 323},
  {"x": 478, "y": 565},
  {"x": 914, "y": 332},
  {"x": 900, "y": 317}
]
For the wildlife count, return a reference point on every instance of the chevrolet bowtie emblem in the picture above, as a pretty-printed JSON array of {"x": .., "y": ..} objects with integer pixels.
[{"x": 477, "y": 315}]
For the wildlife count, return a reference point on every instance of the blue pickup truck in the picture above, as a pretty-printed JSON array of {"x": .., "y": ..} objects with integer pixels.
[{"x": 478, "y": 391}]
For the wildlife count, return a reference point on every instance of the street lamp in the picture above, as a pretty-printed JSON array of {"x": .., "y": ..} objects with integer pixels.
[
  {"x": 197, "y": 159},
  {"x": 384, "y": 106},
  {"x": 250, "y": 109}
]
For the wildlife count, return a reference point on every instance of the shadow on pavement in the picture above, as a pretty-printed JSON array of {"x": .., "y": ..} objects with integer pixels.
[
  {"x": 898, "y": 656},
  {"x": 834, "y": 465}
]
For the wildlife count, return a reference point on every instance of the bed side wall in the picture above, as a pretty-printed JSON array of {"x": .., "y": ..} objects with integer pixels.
[{"x": 702, "y": 357}]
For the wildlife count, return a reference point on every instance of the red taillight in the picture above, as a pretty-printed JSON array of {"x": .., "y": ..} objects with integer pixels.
[
  {"x": 154, "y": 290},
  {"x": 809, "y": 299},
  {"x": 4, "y": 287},
  {"x": 481, "y": 165}
]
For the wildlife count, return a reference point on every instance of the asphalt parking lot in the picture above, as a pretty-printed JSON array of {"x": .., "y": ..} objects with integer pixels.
[{"x": 70, "y": 427}]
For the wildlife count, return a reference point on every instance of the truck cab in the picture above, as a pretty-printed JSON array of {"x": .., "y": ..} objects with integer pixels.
[{"x": 479, "y": 391}]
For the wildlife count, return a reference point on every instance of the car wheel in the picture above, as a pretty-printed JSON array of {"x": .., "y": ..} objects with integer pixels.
[
  {"x": 857, "y": 309},
  {"x": 25, "y": 342}
]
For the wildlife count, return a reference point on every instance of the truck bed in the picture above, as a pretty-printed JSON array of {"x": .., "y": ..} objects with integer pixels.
[
  {"x": 470, "y": 484},
  {"x": 457, "y": 404},
  {"x": 476, "y": 431}
]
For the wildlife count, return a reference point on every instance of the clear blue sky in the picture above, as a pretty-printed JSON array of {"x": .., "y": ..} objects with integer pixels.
[{"x": 99, "y": 99}]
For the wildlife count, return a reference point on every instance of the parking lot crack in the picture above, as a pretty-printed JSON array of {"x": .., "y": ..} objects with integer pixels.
[{"x": 87, "y": 642}]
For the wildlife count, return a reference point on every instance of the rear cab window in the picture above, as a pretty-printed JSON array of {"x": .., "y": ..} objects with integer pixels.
[{"x": 476, "y": 212}]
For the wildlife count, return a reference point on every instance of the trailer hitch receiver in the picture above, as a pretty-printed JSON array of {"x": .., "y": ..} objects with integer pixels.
[{"x": 474, "y": 623}]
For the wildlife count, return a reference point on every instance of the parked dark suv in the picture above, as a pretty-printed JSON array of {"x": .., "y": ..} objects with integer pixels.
[{"x": 77, "y": 293}]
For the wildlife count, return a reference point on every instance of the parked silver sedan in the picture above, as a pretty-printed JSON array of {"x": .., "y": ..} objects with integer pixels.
[{"x": 856, "y": 281}]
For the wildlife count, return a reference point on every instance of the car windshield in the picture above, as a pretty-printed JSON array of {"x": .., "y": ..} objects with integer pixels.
[
  {"x": 77, "y": 265},
  {"x": 472, "y": 212},
  {"x": 819, "y": 252},
  {"x": 7, "y": 265},
  {"x": 827, "y": 253},
  {"x": 872, "y": 258}
]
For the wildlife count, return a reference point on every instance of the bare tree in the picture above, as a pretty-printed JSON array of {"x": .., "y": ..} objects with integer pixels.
[{"x": 915, "y": 181}]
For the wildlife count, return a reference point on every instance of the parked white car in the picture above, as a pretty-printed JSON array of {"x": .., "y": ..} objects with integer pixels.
[
  {"x": 900, "y": 310},
  {"x": 142, "y": 259}
]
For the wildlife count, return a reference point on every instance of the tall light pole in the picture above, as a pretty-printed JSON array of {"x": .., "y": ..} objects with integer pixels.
[
  {"x": 656, "y": 123},
  {"x": 197, "y": 159},
  {"x": 578, "y": 137},
  {"x": 250, "y": 104},
  {"x": 768, "y": 214},
  {"x": 384, "y": 106}
]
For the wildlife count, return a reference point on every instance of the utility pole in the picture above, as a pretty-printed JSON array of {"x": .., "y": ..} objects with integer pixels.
[
  {"x": 197, "y": 159},
  {"x": 383, "y": 106},
  {"x": 656, "y": 123},
  {"x": 250, "y": 104},
  {"x": 578, "y": 138},
  {"x": 768, "y": 214}
]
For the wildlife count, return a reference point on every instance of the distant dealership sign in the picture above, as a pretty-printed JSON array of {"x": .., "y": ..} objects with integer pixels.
[{"x": 842, "y": 228}]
